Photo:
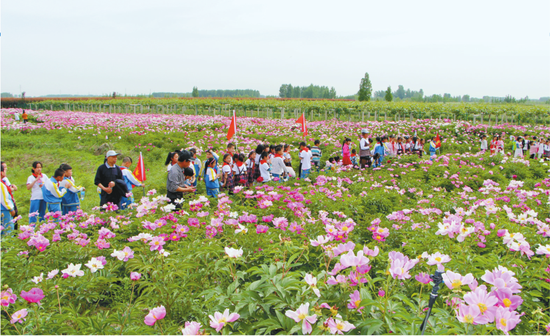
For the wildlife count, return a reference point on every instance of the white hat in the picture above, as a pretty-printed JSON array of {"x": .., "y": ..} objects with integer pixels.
[
  {"x": 111, "y": 153},
  {"x": 364, "y": 131}
]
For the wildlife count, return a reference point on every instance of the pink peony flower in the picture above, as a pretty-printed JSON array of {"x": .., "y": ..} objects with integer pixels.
[
  {"x": 135, "y": 276},
  {"x": 506, "y": 320},
  {"x": 19, "y": 316},
  {"x": 154, "y": 315},
  {"x": 7, "y": 297},
  {"x": 338, "y": 326},
  {"x": 32, "y": 296},
  {"x": 301, "y": 315},
  {"x": 219, "y": 320},
  {"x": 192, "y": 328}
]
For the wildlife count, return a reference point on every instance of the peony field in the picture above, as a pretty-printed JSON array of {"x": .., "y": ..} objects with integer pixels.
[{"x": 347, "y": 250}]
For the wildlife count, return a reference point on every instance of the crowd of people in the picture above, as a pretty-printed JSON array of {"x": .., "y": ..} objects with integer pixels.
[{"x": 220, "y": 173}]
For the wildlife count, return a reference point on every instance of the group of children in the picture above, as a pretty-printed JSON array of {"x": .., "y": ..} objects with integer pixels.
[
  {"x": 521, "y": 146},
  {"x": 56, "y": 194}
]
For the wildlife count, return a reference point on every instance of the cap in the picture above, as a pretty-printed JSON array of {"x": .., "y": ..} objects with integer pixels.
[
  {"x": 111, "y": 153},
  {"x": 364, "y": 131},
  {"x": 184, "y": 156}
]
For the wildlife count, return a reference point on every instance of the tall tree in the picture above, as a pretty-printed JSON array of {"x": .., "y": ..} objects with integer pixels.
[
  {"x": 365, "y": 88},
  {"x": 388, "y": 96},
  {"x": 195, "y": 92},
  {"x": 400, "y": 93}
]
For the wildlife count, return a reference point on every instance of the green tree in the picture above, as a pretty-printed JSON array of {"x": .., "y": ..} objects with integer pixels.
[
  {"x": 400, "y": 93},
  {"x": 365, "y": 88},
  {"x": 388, "y": 96},
  {"x": 195, "y": 92}
]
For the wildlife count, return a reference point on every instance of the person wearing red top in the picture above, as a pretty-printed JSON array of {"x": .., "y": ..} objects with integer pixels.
[
  {"x": 346, "y": 155},
  {"x": 239, "y": 170}
]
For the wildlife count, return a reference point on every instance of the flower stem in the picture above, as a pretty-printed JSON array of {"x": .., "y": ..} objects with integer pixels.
[
  {"x": 58, "y": 302},
  {"x": 6, "y": 310},
  {"x": 160, "y": 326},
  {"x": 129, "y": 305},
  {"x": 37, "y": 320}
]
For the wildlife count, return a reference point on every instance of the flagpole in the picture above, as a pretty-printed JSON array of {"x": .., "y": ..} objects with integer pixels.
[{"x": 142, "y": 168}]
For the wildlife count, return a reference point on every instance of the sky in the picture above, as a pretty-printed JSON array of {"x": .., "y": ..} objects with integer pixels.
[{"x": 479, "y": 48}]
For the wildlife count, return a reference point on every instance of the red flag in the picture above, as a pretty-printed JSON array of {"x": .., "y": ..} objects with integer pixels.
[
  {"x": 437, "y": 141},
  {"x": 233, "y": 127},
  {"x": 139, "y": 172},
  {"x": 302, "y": 120}
]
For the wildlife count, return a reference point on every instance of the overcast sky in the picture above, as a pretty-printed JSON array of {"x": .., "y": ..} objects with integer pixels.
[{"x": 93, "y": 47}]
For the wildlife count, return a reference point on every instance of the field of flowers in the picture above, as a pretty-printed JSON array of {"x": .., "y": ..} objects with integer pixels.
[
  {"x": 346, "y": 251},
  {"x": 315, "y": 108}
]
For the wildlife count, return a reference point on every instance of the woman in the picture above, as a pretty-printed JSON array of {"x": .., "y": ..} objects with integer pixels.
[
  {"x": 171, "y": 160},
  {"x": 35, "y": 182},
  {"x": 346, "y": 152}
]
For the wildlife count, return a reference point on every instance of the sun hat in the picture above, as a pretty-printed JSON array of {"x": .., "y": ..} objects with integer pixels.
[{"x": 111, "y": 153}]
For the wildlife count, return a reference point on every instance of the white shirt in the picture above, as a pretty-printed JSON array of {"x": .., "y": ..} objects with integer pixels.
[
  {"x": 484, "y": 144},
  {"x": 70, "y": 184},
  {"x": 169, "y": 167},
  {"x": 130, "y": 176},
  {"x": 278, "y": 166},
  {"x": 364, "y": 144},
  {"x": 5, "y": 197},
  {"x": 287, "y": 156},
  {"x": 239, "y": 170},
  {"x": 264, "y": 172},
  {"x": 226, "y": 169},
  {"x": 36, "y": 193},
  {"x": 249, "y": 163},
  {"x": 16, "y": 116},
  {"x": 6, "y": 181},
  {"x": 305, "y": 157}
]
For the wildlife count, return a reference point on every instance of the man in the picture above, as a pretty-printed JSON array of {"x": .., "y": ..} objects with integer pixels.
[
  {"x": 8, "y": 206},
  {"x": 110, "y": 180},
  {"x": 175, "y": 183},
  {"x": 131, "y": 182}
]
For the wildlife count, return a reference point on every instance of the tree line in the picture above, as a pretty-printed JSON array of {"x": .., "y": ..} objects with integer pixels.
[{"x": 311, "y": 91}]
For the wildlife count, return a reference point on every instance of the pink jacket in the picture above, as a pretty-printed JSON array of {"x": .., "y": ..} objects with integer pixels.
[{"x": 345, "y": 150}]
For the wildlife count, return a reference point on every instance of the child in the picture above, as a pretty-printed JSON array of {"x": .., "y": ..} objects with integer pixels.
[
  {"x": 264, "y": 169},
  {"x": 35, "y": 182},
  {"x": 197, "y": 165},
  {"x": 231, "y": 152},
  {"x": 8, "y": 205},
  {"x": 534, "y": 148},
  {"x": 25, "y": 117},
  {"x": 259, "y": 150},
  {"x": 547, "y": 149},
  {"x": 189, "y": 174},
  {"x": 278, "y": 167},
  {"x": 432, "y": 148},
  {"x": 483, "y": 143},
  {"x": 171, "y": 160},
  {"x": 52, "y": 192},
  {"x": 271, "y": 154},
  {"x": 346, "y": 152},
  {"x": 305, "y": 160},
  {"x": 540, "y": 151},
  {"x": 212, "y": 154},
  {"x": 400, "y": 146},
  {"x": 329, "y": 165},
  {"x": 378, "y": 149},
  {"x": 250, "y": 167},
  {"x": 228, "y": 182},
  {"x": 364, "y": 149},
  {"x": 239, "y": 170},
  {"x": 211, "y": 178},
  {"x": 500, "y": 145},
  {"x": 518, "y": 149},
  {"x": 354, "y": 157},
  {"x": 288, "y": 161},
  {"x": 316, "y": 155},
  {"x": 131, "y": 182},
  {"x": 70, "y": 201}
]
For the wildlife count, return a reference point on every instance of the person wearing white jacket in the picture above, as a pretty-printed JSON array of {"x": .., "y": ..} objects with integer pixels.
[
  {"x": 278, "y": 167},
  {"x": 8, "y": 206}
]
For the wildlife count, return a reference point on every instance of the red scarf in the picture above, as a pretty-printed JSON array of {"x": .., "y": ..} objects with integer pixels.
[
  {"x": 278, "y": 155},
  {"x": 225, "y": 164},
  {"x": 305, "y": 149},
  {"x": 262, "y": 161},
  {"x": 36, "y": 176},
  {"x": 239, "y": 164}
]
